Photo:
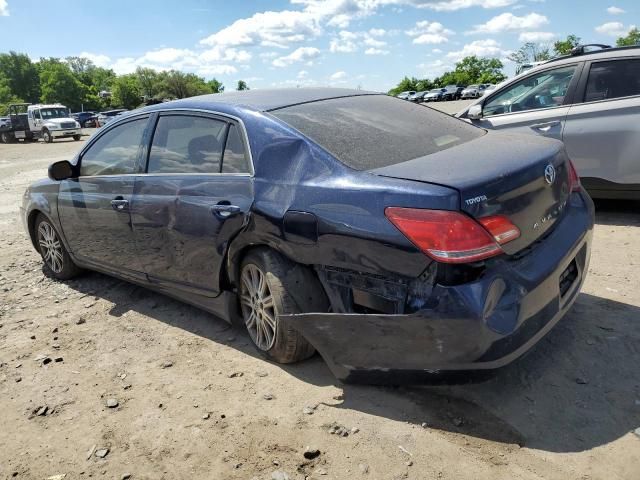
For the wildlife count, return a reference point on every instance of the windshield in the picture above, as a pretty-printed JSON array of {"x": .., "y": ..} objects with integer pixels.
[
  {"x": 57, "y": 112},
  {"x": 372, "y": 131}
]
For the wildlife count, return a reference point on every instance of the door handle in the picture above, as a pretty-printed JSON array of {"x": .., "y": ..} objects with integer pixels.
[
  {"x": 545, "y": 127},
  {"x": 225, "y": 211},
  {"x": 119, "y": 204}
]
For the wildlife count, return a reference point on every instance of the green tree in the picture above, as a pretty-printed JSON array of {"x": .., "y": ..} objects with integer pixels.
[
  {"x": 242, "y": 85},
  {"x": 631, "y": 39},
  {"x": 182, "y": 85},
  {"x": 126, "y": 92},
  {"x": 6, "y": 96},
  {"x": 21, "y": 76},
  {"x": 58, "y": 84},
  {"x": 564, "y": 47},
  {"x": 215, "y": 86},
  {"x": 149, "y": 81},
  {"x": 405, "y": 85},
  {"x": 531, "y": 52}
]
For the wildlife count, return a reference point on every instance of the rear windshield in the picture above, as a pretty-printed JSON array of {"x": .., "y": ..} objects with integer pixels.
[{"x": 374, "y": 131}]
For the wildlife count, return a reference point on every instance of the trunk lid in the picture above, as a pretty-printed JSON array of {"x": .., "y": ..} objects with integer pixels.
[{"x": 523, "y": 177}]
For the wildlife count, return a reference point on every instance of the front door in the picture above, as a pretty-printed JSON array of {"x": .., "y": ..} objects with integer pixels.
[
  {"x": 194, "y": 198},
  {"x": 94, "y": 207},
  {"x": 536, "y": 104}
]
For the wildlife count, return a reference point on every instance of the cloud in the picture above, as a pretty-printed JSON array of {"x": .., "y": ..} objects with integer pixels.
[
  {"x": 376, "y": 51},
  {"x": 302, "y": 54},
  {"x": 536, "y": 37},
  {"x": 613, "y": 29},
  {"x": 271, "y": 29},
  {"x": 434, "y": 69},
  {"x": 4, "y": 8},
  {"x": 426, "y": 32},
  {"x": 508, "y": 22},
  {"x": 349, "y": 42},
  {"x": 302, "y": 74},
  {"x": 479, "y": 48},
  {"x": 206, "y": 63},
  {"x": 345, "y": 42},
  {"x": 615, "y": 10},
  {"x": 338, "y": 75},
  {"x": 453, "y": 5},
  {"x": 99, "y": 60}
]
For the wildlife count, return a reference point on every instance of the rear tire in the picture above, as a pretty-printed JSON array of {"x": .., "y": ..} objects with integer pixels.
[
  {"x": 6, "y": 137},
  {"x": 57, "y": 262},
  {"x": 271, "y": 285},
  {"x": 77, "y": 137}
]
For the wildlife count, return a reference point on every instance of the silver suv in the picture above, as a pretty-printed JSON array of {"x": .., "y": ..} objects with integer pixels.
[{"x": 591, "y": 101}]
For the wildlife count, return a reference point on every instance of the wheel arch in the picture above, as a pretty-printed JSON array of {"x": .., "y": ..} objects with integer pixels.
[{"x": 31, "y": 225}]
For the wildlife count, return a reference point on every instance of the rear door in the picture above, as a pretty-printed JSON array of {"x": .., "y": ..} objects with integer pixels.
[
  {"x": 602, "y": 134},
  {"x": 194, "y": 197},
  {"x": 94, "y": 207},
  {"x": 538, "y": 103}
]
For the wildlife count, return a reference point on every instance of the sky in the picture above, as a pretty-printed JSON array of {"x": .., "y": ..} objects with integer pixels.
[{"x": 370, "y": 44}]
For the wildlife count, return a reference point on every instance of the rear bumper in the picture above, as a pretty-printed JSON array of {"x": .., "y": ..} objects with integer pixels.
[{"x": 480, "y": 325}]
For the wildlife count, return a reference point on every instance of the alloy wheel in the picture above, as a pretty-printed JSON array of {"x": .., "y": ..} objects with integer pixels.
[
  {"x": 50, "y": 247},
  {"x": 258, "y": 308}
]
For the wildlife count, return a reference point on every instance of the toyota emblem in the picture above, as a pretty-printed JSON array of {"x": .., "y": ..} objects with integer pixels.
[{"x": 549, "y": 174}]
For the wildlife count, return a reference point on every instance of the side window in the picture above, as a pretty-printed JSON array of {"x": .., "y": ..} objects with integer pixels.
[
  {"x": 115, "y": 152},
  {"x": 543, "y": 90},
  {"x": 184, "y": 144},
  {"x": 234, "y": 159},
  {"x": 613, "y": 79}
]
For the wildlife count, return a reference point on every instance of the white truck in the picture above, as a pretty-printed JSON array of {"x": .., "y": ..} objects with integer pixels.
[{"x": 30, "y": 122}]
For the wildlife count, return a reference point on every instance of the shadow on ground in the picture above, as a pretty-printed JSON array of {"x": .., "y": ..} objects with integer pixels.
[{"x": 576, "y": 390}]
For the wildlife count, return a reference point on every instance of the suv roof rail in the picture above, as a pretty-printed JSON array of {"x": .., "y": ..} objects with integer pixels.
[{"x": 580, "y": 49}]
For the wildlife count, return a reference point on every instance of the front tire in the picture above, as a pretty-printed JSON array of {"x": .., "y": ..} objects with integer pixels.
[
  {"x": 57, "y": 262},
  {"x": 46, "y": 136},
  {"x": 77, "y": 137},
  {"x": 271, "y": 285}
]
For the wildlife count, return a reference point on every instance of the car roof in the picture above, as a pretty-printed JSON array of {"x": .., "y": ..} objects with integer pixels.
[
  {"x": 262, "y": 100},
  {"x": 616, "y": 52}
]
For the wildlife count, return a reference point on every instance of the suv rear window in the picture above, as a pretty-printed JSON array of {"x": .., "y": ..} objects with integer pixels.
[{"x": 373, "y": 131}]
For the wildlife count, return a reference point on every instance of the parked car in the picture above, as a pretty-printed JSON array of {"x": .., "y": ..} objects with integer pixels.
[
  {"x": 435, "y": 95},
  {"x": 453, "y": 93},
  {"x": 5, "y": 122},
  {"x": 85, "y": 119},
  {"x": 418, "y": 96},
  {"x": 488, "y": 89},
  {"x": 473, "y": 91},
  {"x": 106, "y": 117},
  {"x": 405, "y": 95},
  {"x": 591, "y": 101},
  {"x": 323, "y": 218}
]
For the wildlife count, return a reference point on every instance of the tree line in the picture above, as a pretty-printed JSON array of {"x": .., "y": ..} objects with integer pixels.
[
  {"x": 473, "y": 70},
  {"x": 80, "y": 84}
]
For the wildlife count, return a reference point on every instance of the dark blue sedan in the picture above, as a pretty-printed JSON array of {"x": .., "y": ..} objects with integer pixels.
[{"x": 383, "y": 234}]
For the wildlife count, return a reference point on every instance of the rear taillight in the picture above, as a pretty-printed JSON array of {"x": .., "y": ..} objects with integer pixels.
[
  {"x": 453, "y": 237},
  {"x": 574, "y": 179},
  {"x": 501, "y": 228}
]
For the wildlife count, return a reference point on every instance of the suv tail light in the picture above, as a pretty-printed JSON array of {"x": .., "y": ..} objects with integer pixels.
[
  {"x": 574, "y": 179},
  {"x": 452, "y": 237}
]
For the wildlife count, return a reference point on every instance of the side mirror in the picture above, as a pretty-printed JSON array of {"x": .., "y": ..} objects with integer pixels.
[
  {"x": 61, "y": 170},
  {"x": 475, "y": 112}
]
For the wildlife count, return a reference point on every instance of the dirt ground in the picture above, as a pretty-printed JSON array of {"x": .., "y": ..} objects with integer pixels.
[{"x": 195, "y": 401}]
